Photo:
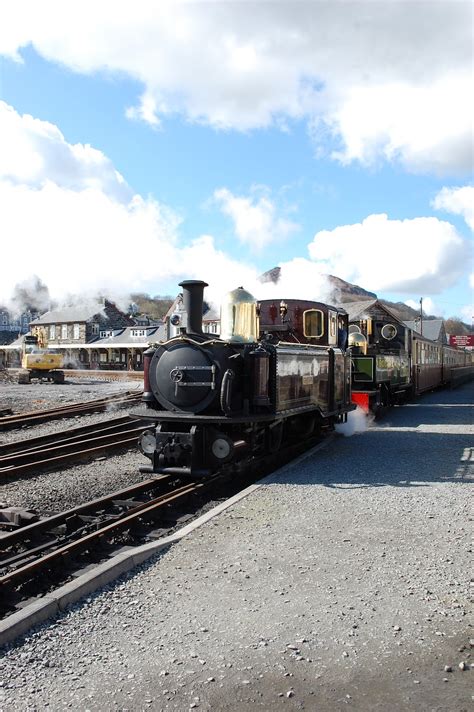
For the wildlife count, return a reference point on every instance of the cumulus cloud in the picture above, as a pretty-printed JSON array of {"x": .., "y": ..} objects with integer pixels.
[
  {"x": 256, "y": 223},
  {"x": 68, "y": 207},
  {"x": 425, "y": 128},
  {"x": 385, "y": 81},
  {"x": 467, "y": 313},
  {"x": 88, "y": 232},
  {"x": 422, "y": 255},
  {"x": 34, "y": 151},
  {"x": 429, "y": 307},
  {"x": 459, "y": 201}
]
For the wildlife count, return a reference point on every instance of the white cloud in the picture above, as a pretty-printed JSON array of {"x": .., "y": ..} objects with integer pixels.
[
  {"x": 68, "y": 207},
  {"x": 429, "y": 307},
  {"x": 34, "y": 151},
  {"x": 467, "y": 313},
  {"x": 423, "y": 255},
  {"x": 388, "y": 80},
  {"x": 255, "y": 221},
  {"x": 425, "y": 128},
  {"x": 459, "y": 201}
]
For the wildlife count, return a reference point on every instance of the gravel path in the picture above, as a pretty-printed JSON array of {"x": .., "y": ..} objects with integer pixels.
[{"x": 342, "y": 584}]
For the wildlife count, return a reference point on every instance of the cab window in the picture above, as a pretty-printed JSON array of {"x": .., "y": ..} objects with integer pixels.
[{"x": 313, "y": 323}]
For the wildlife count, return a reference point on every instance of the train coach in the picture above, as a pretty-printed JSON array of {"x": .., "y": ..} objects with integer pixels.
[{"x": 278, "y": 372}]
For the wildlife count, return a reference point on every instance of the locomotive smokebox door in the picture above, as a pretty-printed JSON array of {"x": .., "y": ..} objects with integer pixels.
[{"x": 183, "y": 377}]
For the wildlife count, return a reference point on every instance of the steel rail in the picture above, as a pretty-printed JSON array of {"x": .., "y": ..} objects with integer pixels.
[
  {"x": 32, "y": 531},
  {"x": 21, "y": 464},
  {"x": 67, "y": 411},
  {"x": 63, "y": 436},
  {"x": 143, "y": 510}
]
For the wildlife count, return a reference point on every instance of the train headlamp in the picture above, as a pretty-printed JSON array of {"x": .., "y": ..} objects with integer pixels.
[
  {"x": 147, "y": 443},
  {"x": 175, "y": 319},
  {"x": 222, "y": 447}
]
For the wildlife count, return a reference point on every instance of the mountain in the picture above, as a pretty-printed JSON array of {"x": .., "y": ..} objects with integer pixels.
[{"x": 343, "y": 292}]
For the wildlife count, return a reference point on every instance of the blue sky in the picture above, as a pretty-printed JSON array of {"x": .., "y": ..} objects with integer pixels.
[{"x": 219, "y": 140}]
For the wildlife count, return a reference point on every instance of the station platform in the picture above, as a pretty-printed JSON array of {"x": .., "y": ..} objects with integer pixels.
[{"x": 340, "y": 582}]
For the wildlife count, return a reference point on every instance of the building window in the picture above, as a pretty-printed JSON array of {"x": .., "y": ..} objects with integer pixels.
[
  {"x": 76, "y": 331},
  {"x": 138, "y": 332},
  {"x": 63, "y": 331},
  {"x": 52, "y": 331},
  {"x": 95, "y": 328}
]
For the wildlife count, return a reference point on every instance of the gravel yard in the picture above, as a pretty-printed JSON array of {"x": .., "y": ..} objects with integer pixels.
[
  {"x": 343, "y": 583},
  {"x": 51, "y": 492},
  {"x": 40, "y": 396}
]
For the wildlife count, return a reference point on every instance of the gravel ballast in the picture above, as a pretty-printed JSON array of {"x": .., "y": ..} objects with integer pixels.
[
  {"x": 341, "y": 584},
  {"x": 39, "y": 395},
  {"x": 51, "y": 492}
]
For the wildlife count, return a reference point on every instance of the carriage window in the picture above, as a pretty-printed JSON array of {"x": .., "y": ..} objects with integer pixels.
[{"x": 313, "y": 323}]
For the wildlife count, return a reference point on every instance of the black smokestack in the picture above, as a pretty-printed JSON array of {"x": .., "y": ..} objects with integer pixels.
[{"x": 193, "y": 290}]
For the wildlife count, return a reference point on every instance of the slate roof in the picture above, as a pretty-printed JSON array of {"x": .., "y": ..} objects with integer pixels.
[
  {"x": 70, "y": 314},
  {"x": 212, "y": 314},
  {"x": 123, "y": 338},
  {"x": 432, "y": 328},
  {"x": 358, "y": 309}
]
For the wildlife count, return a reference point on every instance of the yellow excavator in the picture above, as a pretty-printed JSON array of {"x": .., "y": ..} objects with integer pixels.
[{"x": 38, "y": 362}]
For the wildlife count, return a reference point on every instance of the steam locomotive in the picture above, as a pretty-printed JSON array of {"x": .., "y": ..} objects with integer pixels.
[
  {"x": 391, "y": 362},
  {"x": 277, "y": 373}
]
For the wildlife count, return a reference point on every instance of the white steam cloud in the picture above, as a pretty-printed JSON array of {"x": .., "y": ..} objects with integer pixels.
[{"x": 357, "y": 422}]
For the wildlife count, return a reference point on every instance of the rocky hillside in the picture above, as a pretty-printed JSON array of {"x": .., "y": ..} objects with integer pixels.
[{"x": 344, "y": 292}]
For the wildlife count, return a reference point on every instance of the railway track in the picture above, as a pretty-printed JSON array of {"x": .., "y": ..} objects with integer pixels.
[
  {"x": 26, "y": 457},
  {"x": 19, "y": 420},
  {"x": 41, "y": 554}
]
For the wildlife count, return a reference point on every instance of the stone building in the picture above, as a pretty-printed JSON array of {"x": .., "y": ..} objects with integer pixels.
[{"x": 79, "y": 324}]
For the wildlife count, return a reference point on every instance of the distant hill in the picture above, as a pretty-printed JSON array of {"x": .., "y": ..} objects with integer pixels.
[
  {"x": 153, "y": 307},
  {"x": 344, "y": 292}
]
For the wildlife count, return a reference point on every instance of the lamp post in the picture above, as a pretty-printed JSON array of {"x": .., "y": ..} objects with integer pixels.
[{"x": 421, "y": 316}]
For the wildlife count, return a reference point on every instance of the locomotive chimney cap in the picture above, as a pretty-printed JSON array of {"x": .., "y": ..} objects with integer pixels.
[{"x": 191, "y": 282}]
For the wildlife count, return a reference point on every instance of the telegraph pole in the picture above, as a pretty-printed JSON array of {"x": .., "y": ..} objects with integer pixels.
[{"x": 421, "y": 316}]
